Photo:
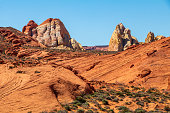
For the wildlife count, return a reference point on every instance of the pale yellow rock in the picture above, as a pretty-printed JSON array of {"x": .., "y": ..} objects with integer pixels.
[
  {"x": 76, "y": 45},
  {"x": 159, "y": 37},
  {"x": 121, "y": 39},
  {"x": 150, "y": 37}
]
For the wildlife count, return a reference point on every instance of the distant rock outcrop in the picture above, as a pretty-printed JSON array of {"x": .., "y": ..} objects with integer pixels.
[
  {"x": 98, "y": 48},
  {"x": 121, "y": 39},
  {"x": 29, "y": 27},
  {"x": 151, "y": 37},
  {"x": 51, "y": 33},
  {"x": 159, "y": 37},
  {"x": 76, "y": 45}
]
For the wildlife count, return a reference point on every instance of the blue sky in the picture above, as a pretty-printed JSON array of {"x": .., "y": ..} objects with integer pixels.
[{"x": 91, "y": 22}]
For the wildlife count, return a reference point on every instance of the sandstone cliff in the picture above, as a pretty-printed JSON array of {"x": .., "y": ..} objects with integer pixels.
[
  {"x": 121, "y": 39},
  {"x": 51, "y": 33}
]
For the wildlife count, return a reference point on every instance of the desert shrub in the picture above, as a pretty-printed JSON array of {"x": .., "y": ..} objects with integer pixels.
[
  {"x": 102, "y": 87},
  {"x": 107, "y": 107},
  {"x": 137, "y": 99},
  {"x": 128, "y": 93},
  {"x": 37, "y": 72},
  {"x": 67, "y": 107},
  {"x": 19, "y": 71},
  {"x": 87, "y": 96},
  {"x": 108, "y": 98},
  {"x": 135, "y": 88},
  {"x": 11, "y": 67},
  {"x": 112, "y": 91},
  {"x": 44, "y": 112},
  {"x": 116, "y": 99},
  {"x": 80, "y": 99},
  {"x": 97, "y": 105},
  {"x": 151, "y": 90},
  {"x": 167, "y": 108},
  {"x": 123, "y": 109},
  {"x": 103, "y": 109},
  {"x": 146, "y": 100},
  {"x": 157, "y": 111},
  {"x": 141, "y": 103},
  {"x": 74, "y": 106},
  {"x": 120, "y": 94},
  {"x": 113, "y": 97},
  {"x": 89, "y": 111},
  {"x": 140, "y": 110},
  {"x": 85, "y": 105},
  {"x": 110, "y": 111},
  {"x": 62, "y": 111},
  {"x": 100, "y": 91},
  {"x": 76, "y": 102},
  {"x": 105, "y": 102},
  {"x": 128, "y": 103},
  {"x": 80, "y": 111},
  {"x": 152, "y": 98}
]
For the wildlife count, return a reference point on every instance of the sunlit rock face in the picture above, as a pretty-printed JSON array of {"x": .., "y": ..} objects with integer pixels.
[
  {"x": 121, "y": 39},
  {"x": 151, "y": 37},
  {"x": 51, "y": 33}
]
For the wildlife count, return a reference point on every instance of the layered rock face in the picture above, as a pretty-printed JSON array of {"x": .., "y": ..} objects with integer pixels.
[
  {"x": 151, "y": 37},
  {"x": 51, "y": 33},
  {"x": 12, "y": 41},
  {"x": 121, "y": 39}
]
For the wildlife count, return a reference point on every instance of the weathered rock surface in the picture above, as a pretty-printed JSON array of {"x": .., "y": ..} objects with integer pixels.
[
  {"x": 145, "y": 65},
  {"x": 12, "y": 40},
  {"x": 121, "y": 39},
  {"x": 31, "y": 91},
  {"x": 76, "y": 45},
  {"x": 151, "y": 37},
  {"x": 160, "y": 37},
  {"x": 29, "y": 27},
  {"x": 52, "y": 33}
]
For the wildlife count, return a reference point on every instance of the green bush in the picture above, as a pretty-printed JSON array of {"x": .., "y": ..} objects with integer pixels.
[
  {"x": 140, "y": 110},
  {"x": 116, "y": 100},
  {"x": 67, "y": 107},
  {"x": 166, "y": 108},
  {"x": 89, "y": 111},
  {"x": 80, "y": 111},
  {"x": 128, "y": 103},
  {"x": 110, "y": 111},
  {"x": 105, "y": 102},
  {"x": 141, "y": 103},
  {"x": 108, "y": 98},
  {"x": 19, "y": 71},
  {"x": 62, "y": 111},
  {"x": 80, "y": 99},
  {"x": 123, "y": 109}
]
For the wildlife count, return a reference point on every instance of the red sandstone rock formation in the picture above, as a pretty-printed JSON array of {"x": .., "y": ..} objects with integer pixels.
[
  {"x": 29, "y": 27},
  {"x": 121, "y": 39},
  {"x": 51, "y": 33}
]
